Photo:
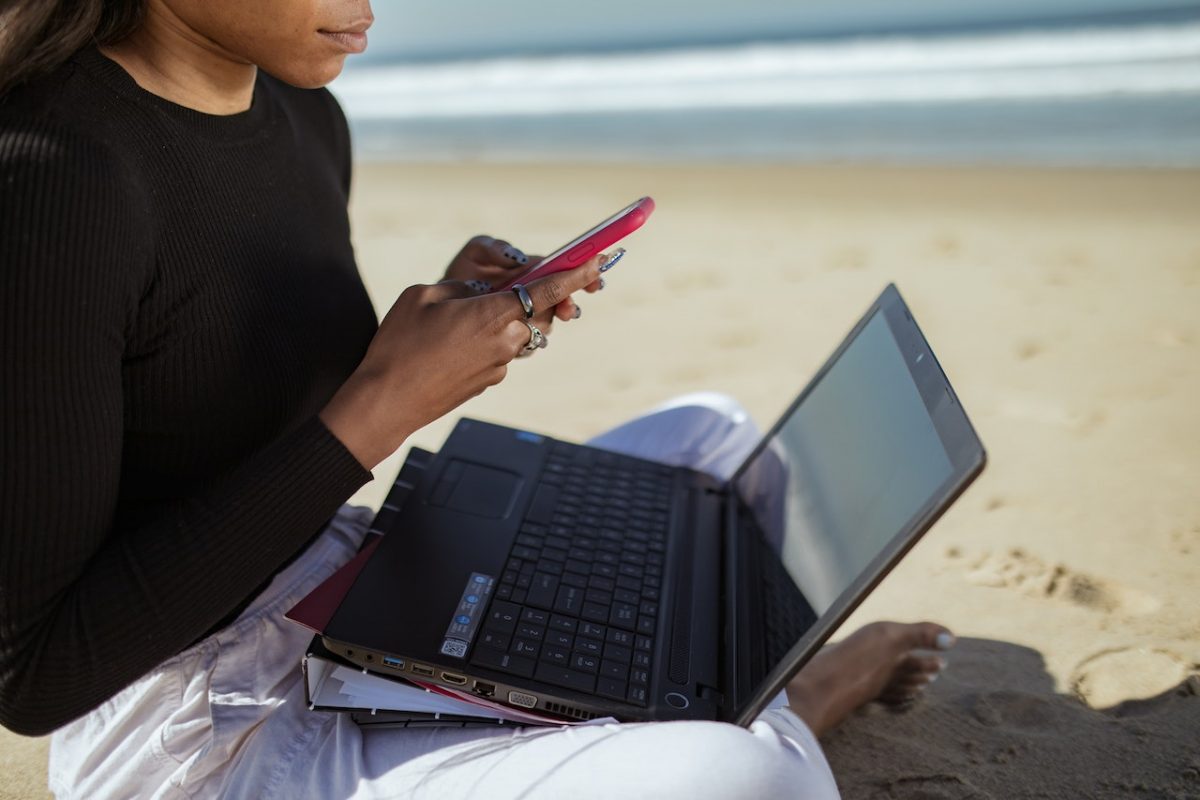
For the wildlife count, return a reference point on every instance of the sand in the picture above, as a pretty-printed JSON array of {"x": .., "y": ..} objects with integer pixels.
[{"x": 1065, "y": 307}]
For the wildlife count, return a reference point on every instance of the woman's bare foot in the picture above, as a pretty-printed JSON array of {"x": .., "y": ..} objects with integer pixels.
[{"x": 880, "y": 661}]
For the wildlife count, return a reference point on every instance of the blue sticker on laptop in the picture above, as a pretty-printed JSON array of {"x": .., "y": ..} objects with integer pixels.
[
  {"x": 467, "y": 615},
  {"x": 526, "y": 436}
]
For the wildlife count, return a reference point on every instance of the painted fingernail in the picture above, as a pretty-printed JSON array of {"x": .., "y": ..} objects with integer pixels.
[
  {"x": 612, "y": 262},
  {"x": 603, "y": 283},
  {"x": 578, "y": 313},
  {"x": 516, "y": 255},
  {"x": 944, "y": 641}
]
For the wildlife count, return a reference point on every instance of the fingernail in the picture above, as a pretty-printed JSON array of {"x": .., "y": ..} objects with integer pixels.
[
  {"x": 578, "y": 313},
  {"x": 944, "y": 641},
  {"x": 603, "y": 283},
  {"x": 612, "y": 262},
  {"x": 516, "y": 255}
]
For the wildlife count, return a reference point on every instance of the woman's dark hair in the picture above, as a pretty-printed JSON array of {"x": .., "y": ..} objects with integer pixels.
[{"x": 38, "y": 35}]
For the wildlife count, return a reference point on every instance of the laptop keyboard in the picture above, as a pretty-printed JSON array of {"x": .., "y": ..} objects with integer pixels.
[{"x": 577, "y": 604}]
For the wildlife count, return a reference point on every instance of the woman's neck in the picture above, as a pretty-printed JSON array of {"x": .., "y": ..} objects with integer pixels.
[{"x": 167, "y": 57}]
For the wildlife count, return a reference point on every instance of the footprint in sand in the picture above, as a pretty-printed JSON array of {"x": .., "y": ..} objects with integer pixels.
[
  {"x": 941, "y": 786},
  {"x": 1028, "y": 348},
  {"x": 1016, "y": 569},
  {"x": 851, "y": 258},
  {"x": 1020, "y": 710},
  {"x": 1111, "y": 677}
]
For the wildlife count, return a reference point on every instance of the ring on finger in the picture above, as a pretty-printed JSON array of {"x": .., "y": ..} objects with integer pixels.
[
  {"x": 526, "y": 301},
  {"x": 537, "y": 339}
]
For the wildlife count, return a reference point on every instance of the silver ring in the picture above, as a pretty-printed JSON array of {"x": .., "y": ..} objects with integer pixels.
[
  {"x": 526, "y": 300},
  {"x": 537, "y": 339}
]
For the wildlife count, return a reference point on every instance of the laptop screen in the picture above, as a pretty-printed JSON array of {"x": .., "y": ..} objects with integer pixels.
[{"x": 840, "y": 477}]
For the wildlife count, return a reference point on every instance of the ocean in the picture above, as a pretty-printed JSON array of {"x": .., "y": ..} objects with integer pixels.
[{"x": 1121, "y": 91}]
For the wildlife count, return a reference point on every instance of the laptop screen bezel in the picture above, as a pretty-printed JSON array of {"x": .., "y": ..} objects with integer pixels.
[{"x": 963, "y": 448}]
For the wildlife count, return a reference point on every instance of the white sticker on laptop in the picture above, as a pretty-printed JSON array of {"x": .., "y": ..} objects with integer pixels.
[
  {"x": 455, "y": 648},
  {"x": 465, "y": 622}
]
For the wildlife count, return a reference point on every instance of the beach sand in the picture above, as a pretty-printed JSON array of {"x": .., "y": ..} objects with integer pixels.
[{"x": 1065, "y": 307}]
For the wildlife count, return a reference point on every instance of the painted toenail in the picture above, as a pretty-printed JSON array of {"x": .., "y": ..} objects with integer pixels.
[{"x": 944, "y": 641}]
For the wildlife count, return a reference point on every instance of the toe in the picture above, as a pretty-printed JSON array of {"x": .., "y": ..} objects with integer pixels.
[
  {"x": 926, "y": 636},
  {"x": 915, "y": 664}
]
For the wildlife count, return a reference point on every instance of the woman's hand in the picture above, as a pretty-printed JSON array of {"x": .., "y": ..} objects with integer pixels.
[
  {"x": 495, "y": 262},
  {"x": 437, "y": 347}
]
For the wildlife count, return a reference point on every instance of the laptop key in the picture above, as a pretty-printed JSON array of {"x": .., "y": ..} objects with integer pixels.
[
  {"x": 592, "y": 629},
  {"x": 542, "y": 508},
  {"x": 645, "y": 624},
  {"x": 518, "y": 596},
  {"x": 542, "y": 590},
  {"x": 588, "y": 646},
  {"x": 535, "y": 616},
  {"x": 547, "y": 565},
  {"x": 569, "y": 600},
  {"x": 639, "y": 676},
  {"x": 640, "y": 659},
  {"x": 496, "y": 639},
  {"x": 525, "y": 553},
  {"x": 503, "y": 616},
  {"x": 561, "y": 623},
  {"x": 611, "y": 688},
  {"x": 559, "y": 639},
  {"x": 616, "y": 636},
  {"x": 623, "y": 615},
  {"x": 616, "y": 652},
  {"x": 565, "y": 677},
  {"x": 574, "y": 579},
  {"x": 596, "y": 612},
  {"x": 504, "y": 662},
  {"x": 584, "y": 662},
  {"x": 504, "y": 591},
  {"x": 527, "y": 630},
  {"x": 626, "y": 596},
  {"x": 524, "y": 647},
  {"x": 644, "y": 643},
  {"x": 637, "y": 694},
  {"x": 613, "y": 669},
  {"x": 556, "y": 655}
]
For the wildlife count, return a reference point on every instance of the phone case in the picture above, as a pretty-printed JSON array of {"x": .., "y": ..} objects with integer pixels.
[{"x": 579, "y": 250}]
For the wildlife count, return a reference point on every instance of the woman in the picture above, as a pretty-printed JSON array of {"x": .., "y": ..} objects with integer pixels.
[{"x": 193, "y": 384}]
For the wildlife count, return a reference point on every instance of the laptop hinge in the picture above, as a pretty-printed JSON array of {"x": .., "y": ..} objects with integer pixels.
[{"x": 727, "y": 645}]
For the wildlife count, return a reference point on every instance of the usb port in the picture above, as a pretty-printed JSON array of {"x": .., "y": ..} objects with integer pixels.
[
  {"x": 421, "y": 669},
  {"x": 484, "y": 689},
  {"x": 457, "y": 680},
  {"x": 394, "y": 663}
]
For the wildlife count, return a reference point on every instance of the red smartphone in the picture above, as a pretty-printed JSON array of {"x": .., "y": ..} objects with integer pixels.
[{"x": 580, "y": 249}]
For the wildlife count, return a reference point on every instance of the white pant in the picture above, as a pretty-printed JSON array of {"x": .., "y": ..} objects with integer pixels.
[{"x": 226, "y": 718}]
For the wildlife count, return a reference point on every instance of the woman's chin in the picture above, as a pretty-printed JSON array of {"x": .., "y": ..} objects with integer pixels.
[{"x": 312, "y": 73}]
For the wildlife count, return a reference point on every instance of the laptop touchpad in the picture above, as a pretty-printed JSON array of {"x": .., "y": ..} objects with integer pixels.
[{"x": 476, "y": 489}]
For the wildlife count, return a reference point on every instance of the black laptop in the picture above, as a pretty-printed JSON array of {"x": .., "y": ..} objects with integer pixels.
[{"x": 585, "y": 583}]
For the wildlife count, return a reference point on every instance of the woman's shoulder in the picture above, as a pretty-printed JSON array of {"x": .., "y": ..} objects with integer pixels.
[{"x": 56, "y": 122}]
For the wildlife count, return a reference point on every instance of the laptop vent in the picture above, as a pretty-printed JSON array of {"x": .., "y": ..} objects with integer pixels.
[{"x": 568, "y": 711}]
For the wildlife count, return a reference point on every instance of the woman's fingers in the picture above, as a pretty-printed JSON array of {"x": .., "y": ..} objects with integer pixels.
[{"x": 502, "y": 254}]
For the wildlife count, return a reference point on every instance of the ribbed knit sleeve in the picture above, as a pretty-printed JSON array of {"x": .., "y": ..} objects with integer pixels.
[{"x": 87, "y": 603}]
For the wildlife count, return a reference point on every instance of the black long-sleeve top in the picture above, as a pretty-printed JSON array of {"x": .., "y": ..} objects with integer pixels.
[{"x": 178, "y": 300}]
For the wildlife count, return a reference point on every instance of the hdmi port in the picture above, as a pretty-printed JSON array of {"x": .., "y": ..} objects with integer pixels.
[
  {"x": 421, "y": 669},
  {"x": 457, "y": 680}
]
